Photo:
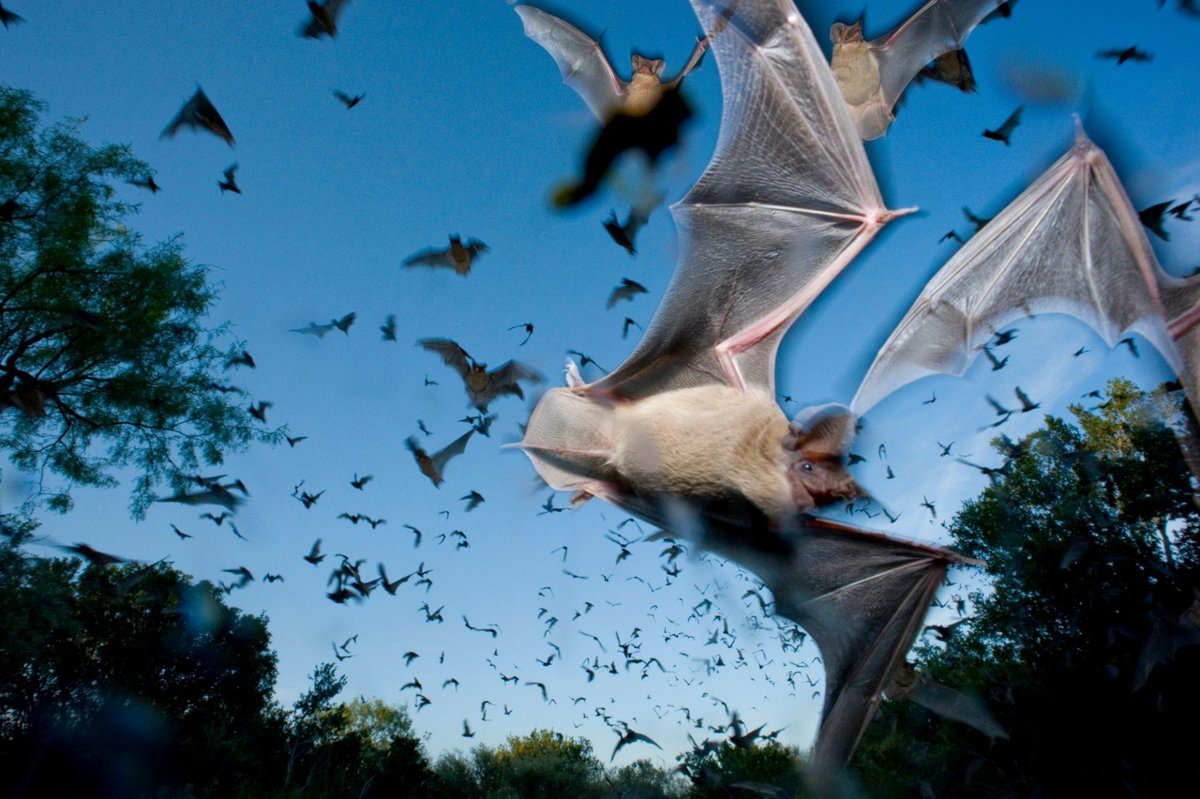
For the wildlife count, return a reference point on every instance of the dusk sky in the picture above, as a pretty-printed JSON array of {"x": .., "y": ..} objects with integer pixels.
[{"x": 466, "y": 128}]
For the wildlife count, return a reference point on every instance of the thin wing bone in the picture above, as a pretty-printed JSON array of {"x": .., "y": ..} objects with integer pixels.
[
  {"x": 580, "y": 59},
  {"x": 786, "y": 202},
  {"x": 1070, "y": 243}
]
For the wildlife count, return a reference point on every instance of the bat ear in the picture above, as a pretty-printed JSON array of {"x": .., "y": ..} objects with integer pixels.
[
  {"x": 835, "y": 33},
  {"x": 823, "y": 430}
]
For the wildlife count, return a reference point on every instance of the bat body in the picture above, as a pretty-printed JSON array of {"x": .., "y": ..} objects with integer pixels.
[
  {"x": 230, "y": 181},
  {"x": 324, "y": 19},
  {"x": 872, "y": 74},
  {"x": 433, "y": 466},
  {"x": 686, "y": 432},
  {"x": 198, "y": 113}
]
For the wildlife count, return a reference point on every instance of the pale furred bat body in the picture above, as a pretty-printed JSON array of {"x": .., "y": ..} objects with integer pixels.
[
  {"x": 872, "y": 74},
  {"x": 686, "y": 434}
]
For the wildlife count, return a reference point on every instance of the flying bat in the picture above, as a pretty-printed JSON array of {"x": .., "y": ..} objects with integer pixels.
[
  {"x": 686, "y": 432},
  {"x": 1005, "y": 130},
  {"x": 1122, "y": 55},
  {"x": 347, "y": 100},
  {"x": 872, "y": 74},
  {"x": 198, "y": 113},
  {"x": 626, "y": 291},
  {"x": 626, "y": 234},
  {"x": 147, "y": 183},
  {"x": 482, "y": 386},
  {"x": 458, "y": 256},
  {"x": 585, "y": 68},
  {"x": 8, "y": 18},
  {"x": 230, "y": 181},
  {"x": 433, "y": 466},
  {"x": 324, "y": 19}
]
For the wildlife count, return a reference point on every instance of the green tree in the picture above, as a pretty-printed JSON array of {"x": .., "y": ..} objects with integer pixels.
[
  {"x": 124, "y": 680},
  {"x": 1085, "y": 643},
  {"x": 105, "y": 359},
  {"x": 541, "y": 765},
  {"x": 728, "y": 770},
  {"x": 364, "y": 748}
]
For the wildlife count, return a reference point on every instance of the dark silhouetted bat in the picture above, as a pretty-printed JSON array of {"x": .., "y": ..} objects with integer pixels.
[
  {"x": 8, "y": 18},
  {"x": 1122, "y": 55},
  {"x": 1005, "y": 130},
  {"x": 457, "y": 256},
  {"x": 432, "y": 466},
  {"x": 347, "y": 100},
  {"x": 686, "y": 433},
  {"x": 230, "y": 181},
  {"x": 482, "y": 386},
  {"x": 324, "y": 19},
  {"x": 147, "y": 183},
  {"x": 198, "y": 113},
  {"x": 626, "y": 291},
  {"x": 873, "y": 74},
  {"x": 626, "y": 234}
]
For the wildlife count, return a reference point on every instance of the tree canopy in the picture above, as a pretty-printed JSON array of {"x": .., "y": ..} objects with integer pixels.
[
  {"x": 1084, "y": 645},
  {"x": 106, "y": 356}
]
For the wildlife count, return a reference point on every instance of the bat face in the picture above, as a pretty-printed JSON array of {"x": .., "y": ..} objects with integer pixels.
[{"x": 647, "y": 66}]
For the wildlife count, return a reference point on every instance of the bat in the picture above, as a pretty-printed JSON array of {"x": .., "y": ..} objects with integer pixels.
[
  {"x": 626, "y": 234},
  {"x": 872, "y": 74},
  {"x": 198, "y": 113},
  {"x": 8, "y": 18},
  {"x": 229, "y": 183},
  {"x": 482, "y": 386},
  {"x": 585, "y": 68},
  {"x": 1005, "y": 130},
  {"x": 626, "y": 291},
  {"x": 457, "y": 256},
  {"x": 347, "y": 100},
  {"x": 686, "y": 432},
  {"x": 433, "y": 466},
  {"x": 1122, "y": 55},
  {"x": 324, "y": 19},
  {"x": 147, "y": 183}
]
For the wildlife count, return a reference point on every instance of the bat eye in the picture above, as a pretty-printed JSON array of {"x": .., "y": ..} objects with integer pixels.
[{"x": 808, "y": 467}]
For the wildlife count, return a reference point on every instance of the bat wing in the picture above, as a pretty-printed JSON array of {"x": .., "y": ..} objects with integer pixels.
[
  {"x": 503, "y": 380},
  {"x": 456, "y": 447},
  {"x": 580, "y": 59},
  {"x": 786, "y": 202},
  {"x": 452, "y": 354},
  {"x": 937, "y": 27},
  {"x": 1070, "y": 243},
  {"x": 429, "y": 257}
]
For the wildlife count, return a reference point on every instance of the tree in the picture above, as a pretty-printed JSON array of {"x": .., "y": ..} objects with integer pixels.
[
  {"x": 727, "y": 770},
  {"x": 123, "y": 680},
  {"x": 105, "y": 359},
  {"x": 1085, "y": 645}
]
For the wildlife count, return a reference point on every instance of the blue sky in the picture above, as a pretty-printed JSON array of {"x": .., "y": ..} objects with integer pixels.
[{"x": 466, "y": 128}]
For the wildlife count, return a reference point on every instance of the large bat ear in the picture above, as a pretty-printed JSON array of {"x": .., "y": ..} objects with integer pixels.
[{"x": 823, "y": 431}]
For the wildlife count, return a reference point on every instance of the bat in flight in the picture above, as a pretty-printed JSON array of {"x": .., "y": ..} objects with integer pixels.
[
  {"x": 458, "y": 256},
  {"x": 324, "y": 19},
  {"x": 872, "y": 74},
  {"x": 686, "y": 433},
  {"x": 482, "y": 385},
  {"x": 198, "y": 113}
]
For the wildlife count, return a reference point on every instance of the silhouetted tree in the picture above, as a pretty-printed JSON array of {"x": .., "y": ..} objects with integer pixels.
[
  {"x": 105, "y": 359},
  {"x": 127, "y": 680},
  {"x": 762, "y": 768},
  {"x": 1086, "y": 643}
]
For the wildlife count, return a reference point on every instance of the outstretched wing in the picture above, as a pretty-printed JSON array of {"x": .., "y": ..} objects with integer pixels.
[
  {"x": 452, "y": 354},
  {"x": 1070, "y": 243},
  {"x": 786, "y": 202},
  {"x": 937, "y": 27},
  {"x": 580, "y": 59}
]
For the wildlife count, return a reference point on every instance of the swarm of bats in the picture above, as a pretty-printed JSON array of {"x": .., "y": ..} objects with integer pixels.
[{"x": 686, "y": 433}]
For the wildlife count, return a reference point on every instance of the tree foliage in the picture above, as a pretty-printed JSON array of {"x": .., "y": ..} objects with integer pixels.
[
  {"x": 105, "y": 356},
  {"x": 1085, "y": 644}
]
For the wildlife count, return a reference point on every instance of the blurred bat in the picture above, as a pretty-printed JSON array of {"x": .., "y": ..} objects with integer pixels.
[
  {"x": 686, "y": 433},
  {"x": 146, "y": 183},
  {"x": 1005, "y": 130},
  {"x": 626, "y": 234},
  {"x": 198, "y": 113},
  {"x": 347, "y": 100},
  {"x": 230, "y": 182},
  {"x": 433, "y": 466},
  {"x": 457, "y": 256},
  {"x": 626, "y": 291},
  {"x": 8, "y": 18},
  {"x": 324, "y": 19},
  {"x": 482, "y": 386},
  {"x": 873, "y": 74},
  {"x": 1122, "y": 55}
]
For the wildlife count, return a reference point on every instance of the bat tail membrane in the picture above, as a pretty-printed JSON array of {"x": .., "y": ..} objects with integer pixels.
[{"x": 568, "y": 439}]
